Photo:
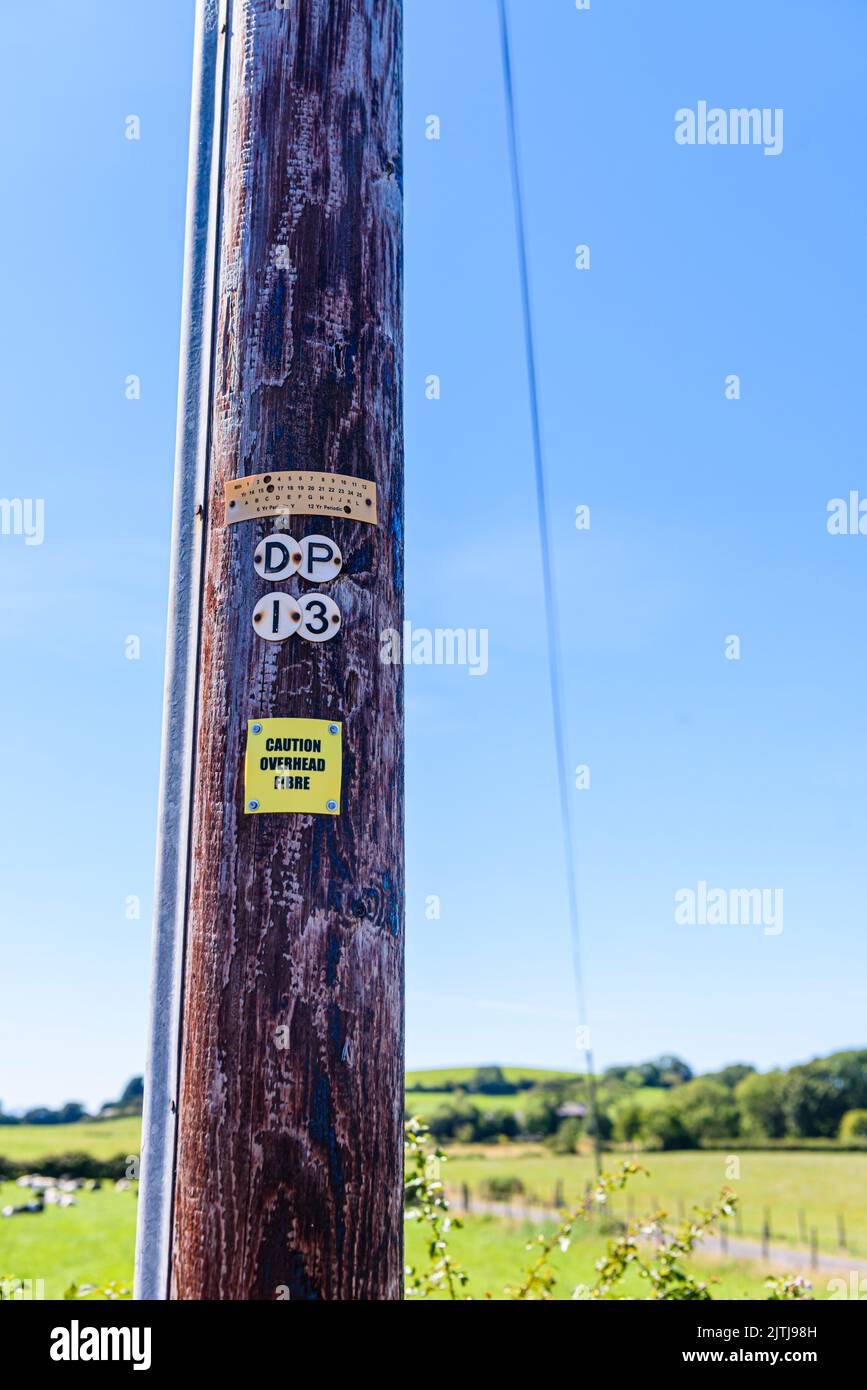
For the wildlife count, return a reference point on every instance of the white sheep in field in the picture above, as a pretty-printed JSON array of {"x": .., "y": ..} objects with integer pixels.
[{"x": 34, "y": 1207}]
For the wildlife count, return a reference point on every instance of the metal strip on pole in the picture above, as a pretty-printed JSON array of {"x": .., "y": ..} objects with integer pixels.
[{"x": 159, "y": 1121}]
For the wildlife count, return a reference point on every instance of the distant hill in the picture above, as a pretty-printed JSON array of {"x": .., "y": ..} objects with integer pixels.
[
  {"x": 449, "y": 1078},
  {"x": 655, "y": 1104}
]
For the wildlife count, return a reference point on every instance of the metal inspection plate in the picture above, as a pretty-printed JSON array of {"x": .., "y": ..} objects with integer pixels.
[{"x": 300, "y": 494}]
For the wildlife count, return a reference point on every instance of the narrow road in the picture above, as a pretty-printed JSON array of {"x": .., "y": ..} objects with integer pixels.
[{"x": 793, "y": 1260}]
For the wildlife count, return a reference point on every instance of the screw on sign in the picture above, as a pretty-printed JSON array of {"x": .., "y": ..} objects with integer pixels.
[
  {"x": 277, "y": 557},
  {"x": 276, "y": 617},
  {"x": 315, "y": 617},
  {"x": 320, "y": 559},
  {"x": 320, "y": 618},
  {"x": 316, "y": 558},
  {"x": 293, "y": 765},
  {"x": 298, "y": 493}
]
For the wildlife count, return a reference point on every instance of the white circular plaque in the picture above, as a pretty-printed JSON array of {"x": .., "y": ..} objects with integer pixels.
[
  {"x": 276, "y": 617},
  {"x": 276, "y": 557},
  {"x": 320, "y": 618},
  {"x": 320, "y": 559}
]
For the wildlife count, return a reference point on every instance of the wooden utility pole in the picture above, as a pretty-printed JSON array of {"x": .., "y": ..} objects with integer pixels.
[{"x": 288, "y": 1160}]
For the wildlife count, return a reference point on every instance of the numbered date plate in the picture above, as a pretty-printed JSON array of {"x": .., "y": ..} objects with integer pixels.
[{"x": 300, "y": 494}]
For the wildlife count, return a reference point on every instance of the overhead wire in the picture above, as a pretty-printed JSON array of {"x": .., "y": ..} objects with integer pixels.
[{"x": 552, "y": 622}]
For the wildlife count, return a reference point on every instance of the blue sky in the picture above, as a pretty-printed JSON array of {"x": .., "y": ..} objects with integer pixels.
[{"x": 708, "y": 518}]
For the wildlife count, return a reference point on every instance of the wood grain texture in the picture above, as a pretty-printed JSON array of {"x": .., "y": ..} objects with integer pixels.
[{"x": 290, "y": 1157}]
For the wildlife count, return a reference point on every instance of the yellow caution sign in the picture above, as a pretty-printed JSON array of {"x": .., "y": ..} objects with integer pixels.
[{"x": 293, "y": 765}]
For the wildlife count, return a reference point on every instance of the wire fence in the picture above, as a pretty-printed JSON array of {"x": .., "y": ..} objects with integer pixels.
[{"x": 772, "y": 1233}]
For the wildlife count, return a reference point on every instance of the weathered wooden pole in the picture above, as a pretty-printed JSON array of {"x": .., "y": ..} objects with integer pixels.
[{"x": 289, "y": 1110}]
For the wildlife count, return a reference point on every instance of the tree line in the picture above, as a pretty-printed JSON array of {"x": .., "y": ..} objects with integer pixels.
[
  {"x": 661, "y": 1104},
  {"x": 72, "y": 1111}
]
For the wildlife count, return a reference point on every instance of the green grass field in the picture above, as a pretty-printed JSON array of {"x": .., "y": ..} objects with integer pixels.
[
  {"x": 89, "y": 1244},
  {"x": 493, "y": 1253},
  {"x": 459, "y": 1076},
  {"x": 424, "y": 1103},
  {"x": 819, "y": 1185},
  {"x": 93, "y": 1242},
  {"x": 101, "y": 1138}
]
